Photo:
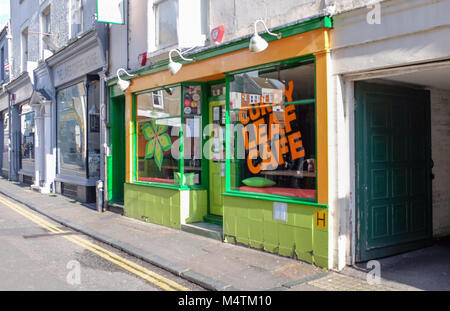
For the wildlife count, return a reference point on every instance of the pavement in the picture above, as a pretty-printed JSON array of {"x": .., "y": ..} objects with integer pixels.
[{"x": 209, "y": 263}]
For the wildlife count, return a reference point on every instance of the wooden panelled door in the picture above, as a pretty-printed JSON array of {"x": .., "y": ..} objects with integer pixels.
[{"x": 393, "y": 170}]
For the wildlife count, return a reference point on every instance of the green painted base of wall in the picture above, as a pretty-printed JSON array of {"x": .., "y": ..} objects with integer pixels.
[
  {"x": 251, "y": 223},
  {"x": 165, "y": 207}
]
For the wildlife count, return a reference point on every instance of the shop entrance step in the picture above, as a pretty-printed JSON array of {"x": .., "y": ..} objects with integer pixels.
[
  {"x": 205, "y": 229},
  {"x": 116, "y": 207}
]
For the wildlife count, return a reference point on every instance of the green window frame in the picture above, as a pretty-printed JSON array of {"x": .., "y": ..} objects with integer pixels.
[
  {"x": 181, "y": 137},
  {"x": 308, "y": 59}
]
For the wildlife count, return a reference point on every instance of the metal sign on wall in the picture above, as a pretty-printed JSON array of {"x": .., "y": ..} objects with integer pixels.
[{"x": 111, "y": 11}]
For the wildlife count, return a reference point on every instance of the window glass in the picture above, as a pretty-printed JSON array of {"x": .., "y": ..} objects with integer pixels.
[
  {"x": 94, "y": 129},
  {"x": 27, "y": 135},
  {"x": 273, "y": 145},
  {"x": 158, "y": 121},
  {"x": 76, "y": 17},
  {"x": 166, "y": 22},
  {"x": 192, "y": 105},
  {"x": 71, "y": 124}
]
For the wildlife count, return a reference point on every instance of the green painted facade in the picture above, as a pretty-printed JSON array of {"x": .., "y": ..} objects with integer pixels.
[
  {"x": 247, "y": 217},
  {"x": 165, "y": 207},
  {"x": 251, "y": 223}
]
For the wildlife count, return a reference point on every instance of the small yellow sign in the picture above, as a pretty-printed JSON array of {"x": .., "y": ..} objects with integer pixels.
[{"x": 321, "y": 220}]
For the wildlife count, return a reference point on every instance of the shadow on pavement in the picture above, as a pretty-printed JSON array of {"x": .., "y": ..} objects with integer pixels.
[{"x": 426, "y": 269}]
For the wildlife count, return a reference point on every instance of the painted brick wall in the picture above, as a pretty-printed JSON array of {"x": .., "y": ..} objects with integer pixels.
[
  {"x": 237, "y": 16},
  {"x": 250, "y": 222},
  {"x": 28, "y": 14},
  {"x": 440, "y": 131}
]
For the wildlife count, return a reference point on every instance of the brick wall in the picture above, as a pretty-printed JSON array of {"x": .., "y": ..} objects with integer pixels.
[{"x": 440, "y": 132}]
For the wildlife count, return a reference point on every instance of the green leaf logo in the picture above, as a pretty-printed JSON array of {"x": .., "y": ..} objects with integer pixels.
[{"x": 158, "y": 141}]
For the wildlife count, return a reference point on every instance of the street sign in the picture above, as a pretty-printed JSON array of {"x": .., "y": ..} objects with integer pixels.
[{"x": 111, "y": 11}]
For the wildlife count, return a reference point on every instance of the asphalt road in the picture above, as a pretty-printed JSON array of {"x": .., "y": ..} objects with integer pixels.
[{"x": 39, "y": 254}]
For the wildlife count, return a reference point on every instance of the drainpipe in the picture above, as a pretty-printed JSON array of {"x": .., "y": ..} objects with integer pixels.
[
  {"x": 104, "y": 133},
  {"x": 128, "y": 34}
]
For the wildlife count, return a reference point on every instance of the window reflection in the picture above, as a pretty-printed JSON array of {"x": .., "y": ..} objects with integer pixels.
[
  {"x": 71, "y": 118},
  {"x": 27, "y": 135},
  {"x": 274, "y": 143}
]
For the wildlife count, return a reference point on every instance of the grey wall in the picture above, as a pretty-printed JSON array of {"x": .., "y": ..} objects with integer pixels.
[
  {"x": 28, "y": 14},
  {"x": 237, "y": 16}
]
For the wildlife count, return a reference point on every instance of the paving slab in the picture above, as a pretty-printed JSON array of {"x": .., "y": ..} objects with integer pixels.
[{"x": 207, "y": 262}]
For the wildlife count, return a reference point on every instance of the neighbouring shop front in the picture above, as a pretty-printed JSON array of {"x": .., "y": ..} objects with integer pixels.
[
  {"x": 77, "y": 115},
  {"x": 21, "y": 130},
  {"x": 237, "y": 140},
  {"x": 4, "y": 135}
]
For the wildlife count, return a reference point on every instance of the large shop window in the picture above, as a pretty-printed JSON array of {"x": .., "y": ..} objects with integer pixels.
[
  {"x": 71, "y": 118},
  {"x": 78, "y": 137},
  {"x": 27, "y": 129},
  {"x": 160, "y": 131},
  {"x": 273, "y": 142}
]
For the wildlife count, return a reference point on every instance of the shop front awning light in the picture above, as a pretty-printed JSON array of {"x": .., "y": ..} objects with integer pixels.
[
  {"x": 257, "y": 43},
  {"x": 123, "y": 84},
  {"x": 174, "y": 67}
]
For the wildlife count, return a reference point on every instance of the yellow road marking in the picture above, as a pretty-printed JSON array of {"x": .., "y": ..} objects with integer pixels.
[{"x": 131, "y": 267}]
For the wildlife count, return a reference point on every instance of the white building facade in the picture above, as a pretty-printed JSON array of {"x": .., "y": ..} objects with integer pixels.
[
  {"x": 389, "y": 129},
  {"x": 58, "y": 48}
]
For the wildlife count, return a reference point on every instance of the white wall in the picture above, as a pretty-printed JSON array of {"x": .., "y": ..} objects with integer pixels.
[
  {"x": 440, "y": 136},
  {"x": 411, "y": 31},
  {"x": 237, "y": 16}
]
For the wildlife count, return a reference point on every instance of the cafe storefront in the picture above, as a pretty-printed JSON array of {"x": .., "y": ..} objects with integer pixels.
[{"x": 235, "y": 140}]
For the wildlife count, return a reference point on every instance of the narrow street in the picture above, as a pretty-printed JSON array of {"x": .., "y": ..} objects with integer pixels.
[{"x": 38, "y": 254}]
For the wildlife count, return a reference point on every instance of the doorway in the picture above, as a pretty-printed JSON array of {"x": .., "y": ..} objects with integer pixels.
[
  {"x": 217, "y": 162},
  {"x": 393, "y": 170},
  {"x": 116, "y": 162}
]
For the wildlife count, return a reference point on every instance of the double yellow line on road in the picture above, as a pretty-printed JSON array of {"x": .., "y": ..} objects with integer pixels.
[{"x": 127, "y": 265}]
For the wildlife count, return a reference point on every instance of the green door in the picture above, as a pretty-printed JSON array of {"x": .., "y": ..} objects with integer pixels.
[
  {"x": 116, "y": 162},
  {"x": 393, "y": 170},
  {"x": 217, "y": 163}
]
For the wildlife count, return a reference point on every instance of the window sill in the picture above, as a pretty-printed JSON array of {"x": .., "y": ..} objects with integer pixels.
[
  {"x": 273, "y": 198},
  {"x": 166, "y": 186}
]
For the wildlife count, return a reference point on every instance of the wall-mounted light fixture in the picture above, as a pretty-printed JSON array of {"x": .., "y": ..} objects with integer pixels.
[
  {"x": 174, "y": 67},
  {"x": 257, "y": 43},
  {"x": 123, "y": 84}
]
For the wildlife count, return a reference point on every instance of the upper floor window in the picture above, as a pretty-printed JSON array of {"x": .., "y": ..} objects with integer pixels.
[
  {"x": 24, "y": 45},
  {"x": 2, "y": 65},
  {"x": 177, "y": 23},
  {"x": 166, "y": 12},
  {"x": 46, "y": 31},
  {"x": 76, "y": 17}
]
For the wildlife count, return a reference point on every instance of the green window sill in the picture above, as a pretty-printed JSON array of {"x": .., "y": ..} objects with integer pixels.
[
  {"x": 166, "y": 186},
  {"x": 273, "y": 198}
]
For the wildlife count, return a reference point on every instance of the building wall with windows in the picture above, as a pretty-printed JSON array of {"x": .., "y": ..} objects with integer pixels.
[
  {"x": 4, "y": 60},
  {"x": 42, "y": 30},
  {"x": 64, "y": 19},
  {"x": 236, "y": 16}
]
